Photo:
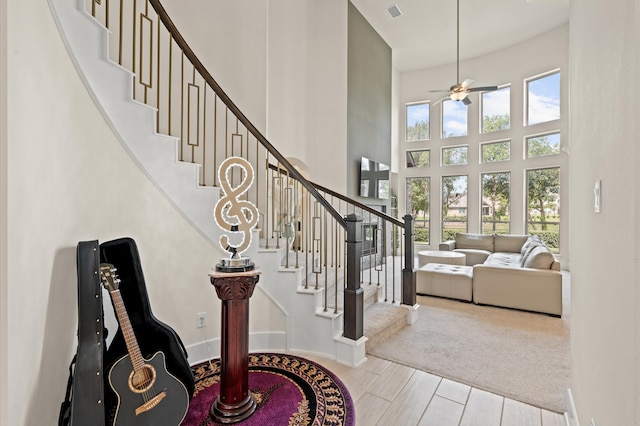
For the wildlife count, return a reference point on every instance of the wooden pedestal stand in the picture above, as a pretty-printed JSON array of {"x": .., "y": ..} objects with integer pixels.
[{"x": 235, "y": 403}]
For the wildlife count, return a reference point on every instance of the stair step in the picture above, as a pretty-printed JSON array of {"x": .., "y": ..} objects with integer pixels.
[{"x": 382, "y": 320}]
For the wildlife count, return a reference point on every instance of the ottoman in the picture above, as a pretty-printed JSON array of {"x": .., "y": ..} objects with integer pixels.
[{"x": 439, "y": 279}]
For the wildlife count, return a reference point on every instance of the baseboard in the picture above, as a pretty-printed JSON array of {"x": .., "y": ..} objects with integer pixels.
[
  {"x": 571, "y": 415},
  {"x": 262, "y": 342}
]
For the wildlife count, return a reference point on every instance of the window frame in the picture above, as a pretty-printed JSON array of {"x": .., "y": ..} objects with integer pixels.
[
  {"x": 481, "y": 110},
  {"x": 406, "y": 121},
  {"x": 525, "y": 88}
]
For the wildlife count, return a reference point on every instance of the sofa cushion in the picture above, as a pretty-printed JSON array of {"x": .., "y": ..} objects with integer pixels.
[
  {"x": 474, "y": 241},
  {"x": 506, "y": 260},
  {"x": 509, "y": 243},
  {"x": 539, "y": 258},
  {"x": 474, "y": 256}
]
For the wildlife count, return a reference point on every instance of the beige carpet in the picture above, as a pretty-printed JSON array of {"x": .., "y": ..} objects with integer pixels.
[{"x": 519, "y": 355}]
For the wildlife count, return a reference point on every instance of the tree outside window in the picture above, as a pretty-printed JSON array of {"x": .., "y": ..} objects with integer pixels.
[
  {"x": 541, "y": 145},
  {"x": 496, "y": 107},
  {"x": 496, "y": 151},
  {"x": 454, "y": 206},
  {"x": 418, "y": 204},
  {"x": 496, "y": 189},
  {"x": 543, "y": 201},
  {"x": 455, "y": 156}
]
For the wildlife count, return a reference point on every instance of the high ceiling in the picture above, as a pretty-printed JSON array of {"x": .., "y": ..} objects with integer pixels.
[{"x": 425, "y": 34}]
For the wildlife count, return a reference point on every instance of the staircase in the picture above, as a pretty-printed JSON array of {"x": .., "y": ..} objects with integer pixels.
[{"x": 176, "y": 155}]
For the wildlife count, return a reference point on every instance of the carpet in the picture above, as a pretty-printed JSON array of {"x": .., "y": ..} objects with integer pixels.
[
  {"x": 289, "y": 390},
  {"x": 520, "y": 355}
]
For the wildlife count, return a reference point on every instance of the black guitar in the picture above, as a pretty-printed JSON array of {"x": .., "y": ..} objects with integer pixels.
[{"x": 147, "y": 393}]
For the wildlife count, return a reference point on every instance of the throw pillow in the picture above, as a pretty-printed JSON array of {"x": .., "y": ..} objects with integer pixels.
[{"x": 540, "y": 258}]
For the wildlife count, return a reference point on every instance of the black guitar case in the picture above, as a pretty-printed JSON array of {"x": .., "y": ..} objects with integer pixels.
[
  {"x": 152, "y": 334},
  {"x": 89, "y": 398}
]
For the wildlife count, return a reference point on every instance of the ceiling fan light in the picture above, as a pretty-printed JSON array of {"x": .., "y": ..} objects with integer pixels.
[{"x": 457, "y": 96}]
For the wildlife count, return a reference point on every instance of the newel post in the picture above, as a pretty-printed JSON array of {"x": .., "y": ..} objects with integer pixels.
[
  {"x": 353, "y": 293},
  {"x": 408, "y": 273}
]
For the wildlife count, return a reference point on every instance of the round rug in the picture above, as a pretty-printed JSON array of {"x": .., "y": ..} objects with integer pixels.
[{"x": 288, "y": 389}]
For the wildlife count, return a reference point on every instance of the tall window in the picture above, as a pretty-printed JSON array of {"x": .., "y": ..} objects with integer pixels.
[
  {"x": 541, "y": 145},
  {"x": 417, "y": 122},
  {"x": 543, "y": 99},
  {"x": 455, "y": 156},
  {"x": 454, "y": 119},
  {"x": 418, "y": 158},
  {"x": 454, "y": 206},
  {"x": 495, "y": 151},
  {"x": 418, "y": 206},
  {"x": 496, "y": 194},
  {"x": 496, "y": 106},
  {"x": 543, "y": 201}
]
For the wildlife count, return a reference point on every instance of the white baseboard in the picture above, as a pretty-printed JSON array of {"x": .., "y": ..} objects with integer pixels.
[{"x": 209, "y": 349}]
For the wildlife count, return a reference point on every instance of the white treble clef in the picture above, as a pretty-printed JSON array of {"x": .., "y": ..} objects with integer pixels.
[{"x": 230, "y": 205}]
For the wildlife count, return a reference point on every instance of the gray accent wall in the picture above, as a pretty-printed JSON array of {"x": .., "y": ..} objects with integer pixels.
[{"x": 368, "y": 101}]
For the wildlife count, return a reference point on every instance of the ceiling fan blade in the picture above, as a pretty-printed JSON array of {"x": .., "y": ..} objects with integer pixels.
[
  {"x": 439, "y": 100},
  {"x": 466, "y": 83},
  {"x": 482, "y": 89}
]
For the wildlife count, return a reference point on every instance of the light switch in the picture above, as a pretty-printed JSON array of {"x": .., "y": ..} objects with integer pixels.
[{"x": 597, "y": 196}]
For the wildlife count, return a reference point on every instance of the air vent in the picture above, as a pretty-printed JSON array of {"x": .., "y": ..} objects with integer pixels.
[{"x": 394, "y": 11}]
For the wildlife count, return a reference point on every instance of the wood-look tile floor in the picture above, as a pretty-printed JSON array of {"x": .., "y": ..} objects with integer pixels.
[{"x": 386, "y": 393}]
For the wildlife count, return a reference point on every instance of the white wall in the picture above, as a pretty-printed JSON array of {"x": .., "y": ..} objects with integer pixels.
[
  {"x": 70, "y": 180},
  {"x": 605, "y": 295},
  {"x": 511, "y": 65},
  {"x": 284, "y": 63}
]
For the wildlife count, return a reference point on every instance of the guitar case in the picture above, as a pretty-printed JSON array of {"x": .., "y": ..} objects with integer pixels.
[
  {"x": 152, "y": 334},
  {"x": 89, "y": 398}
]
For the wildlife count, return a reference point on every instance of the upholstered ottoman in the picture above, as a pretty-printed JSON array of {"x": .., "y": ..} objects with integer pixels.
[{"x": 452, "y": 281}]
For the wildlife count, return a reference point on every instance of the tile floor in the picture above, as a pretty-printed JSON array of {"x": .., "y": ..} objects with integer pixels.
[{"x": 386, "y": 393}]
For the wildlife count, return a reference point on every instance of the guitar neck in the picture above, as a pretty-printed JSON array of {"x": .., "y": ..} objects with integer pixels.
[{"x": 127, "y": 331}]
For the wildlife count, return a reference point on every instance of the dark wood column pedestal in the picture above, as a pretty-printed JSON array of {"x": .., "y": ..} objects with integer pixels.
[{"x": 235, "y": 403}]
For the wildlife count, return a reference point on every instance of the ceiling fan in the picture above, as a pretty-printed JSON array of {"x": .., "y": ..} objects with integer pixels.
[{"x": 460, "y": 91}]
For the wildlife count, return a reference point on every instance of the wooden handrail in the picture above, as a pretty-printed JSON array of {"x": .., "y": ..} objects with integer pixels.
[{"x": 191, "y": 56}]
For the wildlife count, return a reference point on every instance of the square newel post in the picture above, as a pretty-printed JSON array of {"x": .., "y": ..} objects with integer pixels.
[
  {"x": 353, "y": 293},
  {"x": 408, "y": 273},
  {"x": 235, "y": 403}
]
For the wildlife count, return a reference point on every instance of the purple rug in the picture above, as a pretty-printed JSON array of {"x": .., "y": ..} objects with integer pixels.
[{"x": 289, "y": 390}]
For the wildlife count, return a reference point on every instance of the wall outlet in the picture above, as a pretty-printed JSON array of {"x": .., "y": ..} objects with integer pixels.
[{"x": 201, "y": 320}]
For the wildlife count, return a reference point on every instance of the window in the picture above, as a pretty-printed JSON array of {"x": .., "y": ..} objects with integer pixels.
[
  {"x": 495, "y": 151},
  {"x": 417, "y": 122},
  {"x": 454, "y": 206},
  {"x": 541, "y": 145},
  {"x": 496, "y": 107},
  {"x": 418, "y": 158},
  {"x": 543, "y": 99},
  {"x": 454, "y": 119},
  {"x": 454, "y": 156},
  {"x": 418, "y": 206},
  {"x": 543, "y": 202},
  {"x": 496, "y": 193}
]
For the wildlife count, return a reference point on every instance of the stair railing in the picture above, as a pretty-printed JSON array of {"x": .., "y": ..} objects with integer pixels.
[{"x": 305, "y": 221}]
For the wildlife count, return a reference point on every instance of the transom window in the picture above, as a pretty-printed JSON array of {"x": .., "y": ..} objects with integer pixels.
[
  {"x": 496, "y": 106},
  {"x": 419, "y": 158},
  {"x": 491, "y": 152},
  {"x": 541, "y": 145},
  {"x": 417, "y": 128},
  {"x": 455, "y": 156},
  {"x": 454, "y": 119},
  {"x": 543, "y": 99}
]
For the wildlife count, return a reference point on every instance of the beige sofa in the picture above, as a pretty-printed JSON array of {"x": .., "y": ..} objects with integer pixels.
[{"x": 513, "y": 271}]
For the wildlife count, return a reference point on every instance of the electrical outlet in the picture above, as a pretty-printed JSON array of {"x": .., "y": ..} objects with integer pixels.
[{"x": 201, "y": 320}]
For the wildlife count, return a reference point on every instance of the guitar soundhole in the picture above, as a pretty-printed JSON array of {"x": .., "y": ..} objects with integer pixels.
[{"x": 143, "y": 379}]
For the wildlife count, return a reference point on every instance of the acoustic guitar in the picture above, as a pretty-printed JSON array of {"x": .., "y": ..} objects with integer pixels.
[{"x": 147, "y": 393}]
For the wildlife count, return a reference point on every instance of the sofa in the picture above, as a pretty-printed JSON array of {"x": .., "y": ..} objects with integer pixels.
[{"x": 512, "y": 271}]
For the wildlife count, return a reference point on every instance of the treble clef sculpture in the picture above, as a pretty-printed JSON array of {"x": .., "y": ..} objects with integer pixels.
[{"x": 231, "y": 213}]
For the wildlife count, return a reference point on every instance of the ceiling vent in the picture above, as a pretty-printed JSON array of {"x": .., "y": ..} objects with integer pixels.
[{"x": 394, "y": 11}]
